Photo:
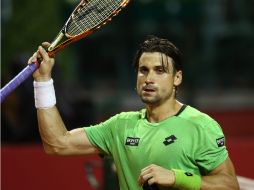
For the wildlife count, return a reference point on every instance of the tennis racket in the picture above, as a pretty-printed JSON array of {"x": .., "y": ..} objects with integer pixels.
[{"x": 86, "y": 18}]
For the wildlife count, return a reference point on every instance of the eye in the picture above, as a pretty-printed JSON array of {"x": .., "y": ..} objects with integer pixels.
[
  {"x": 143, "y": 70},
  {"x": 160, "y": 70}
]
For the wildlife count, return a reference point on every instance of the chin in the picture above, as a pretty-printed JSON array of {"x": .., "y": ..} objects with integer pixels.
[{"x": 149, "y": 101}]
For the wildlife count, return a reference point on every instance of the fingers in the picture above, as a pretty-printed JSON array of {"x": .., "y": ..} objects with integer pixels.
[
  {"x": 43, "y": 53},
  {"x": 33, "y": 59},
  {"x": 40, "y": 55},
  {"x": 155, "y": 174},
  {"x": 43, "y": 73},
  {"x": 146, "y": 175},
  {"x": 142, "y": 180},
  {"x": 45, "y": 45}
]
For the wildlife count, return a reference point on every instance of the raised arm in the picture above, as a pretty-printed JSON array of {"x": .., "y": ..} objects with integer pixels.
[{"x": 55, "y": 137}]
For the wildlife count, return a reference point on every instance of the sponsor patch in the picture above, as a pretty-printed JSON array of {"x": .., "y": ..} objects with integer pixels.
[
  {"x": 132, "y": 141},
  {"x": 220, "y": 142}
]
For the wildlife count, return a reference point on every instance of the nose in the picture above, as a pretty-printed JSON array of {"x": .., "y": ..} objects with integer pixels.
[{"x": 149, "y": 77}]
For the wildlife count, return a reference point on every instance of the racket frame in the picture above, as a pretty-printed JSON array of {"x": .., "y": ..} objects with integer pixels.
[{"x": 57, "y": 45}]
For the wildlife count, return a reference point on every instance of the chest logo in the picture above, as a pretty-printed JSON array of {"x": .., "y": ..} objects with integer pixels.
[
  {"x": 132, "y": 141},
  {"x": 169, "y": 140}
]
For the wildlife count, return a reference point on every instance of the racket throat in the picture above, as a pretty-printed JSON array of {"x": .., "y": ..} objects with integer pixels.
[{"x": 56, "y": 41}]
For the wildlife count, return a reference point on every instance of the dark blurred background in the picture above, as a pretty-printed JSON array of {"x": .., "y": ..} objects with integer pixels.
[{"x": 94, "y": 78}]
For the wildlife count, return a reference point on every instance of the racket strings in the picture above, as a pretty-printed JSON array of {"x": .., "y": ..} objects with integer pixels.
[{"x": 91, "y": 15}]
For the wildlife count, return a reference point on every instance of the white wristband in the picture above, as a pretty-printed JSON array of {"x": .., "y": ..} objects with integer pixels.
[{"x": 44, "y": 94}]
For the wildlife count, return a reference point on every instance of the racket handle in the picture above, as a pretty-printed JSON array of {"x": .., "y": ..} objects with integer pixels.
[{"x": 16, "y": 81}]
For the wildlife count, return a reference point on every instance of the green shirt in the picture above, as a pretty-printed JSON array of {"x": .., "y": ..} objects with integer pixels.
[{"x": 191, "y": 141}]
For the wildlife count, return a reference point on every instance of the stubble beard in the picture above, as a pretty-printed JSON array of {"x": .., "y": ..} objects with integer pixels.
[
  {"x": 150, "y": 100},
  {"x": 155, "y": 100}
]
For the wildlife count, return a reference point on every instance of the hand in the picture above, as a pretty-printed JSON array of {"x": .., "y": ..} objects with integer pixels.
[
  {"x": 156, "y": 175},
  {"x": 43, "y": 73}
]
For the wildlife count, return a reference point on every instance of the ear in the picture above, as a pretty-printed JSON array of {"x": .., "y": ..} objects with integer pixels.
[{"x": 178, "y": 78}]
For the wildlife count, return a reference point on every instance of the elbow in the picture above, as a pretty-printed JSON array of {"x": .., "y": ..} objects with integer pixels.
[
  {"x": 58, "y": 146},
  {"x": 236, "y": 184},
  {"x": 52, "y": 150},
  {"x": 232, "y": 183}
]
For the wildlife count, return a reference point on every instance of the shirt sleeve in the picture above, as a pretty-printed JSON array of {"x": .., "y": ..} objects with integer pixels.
[
  {"x": 101, "y": 135},
  {"x": 210, "y": 147}
]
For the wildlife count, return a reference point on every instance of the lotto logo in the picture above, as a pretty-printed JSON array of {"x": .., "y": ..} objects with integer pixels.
[{"x": 169, "y": 140}]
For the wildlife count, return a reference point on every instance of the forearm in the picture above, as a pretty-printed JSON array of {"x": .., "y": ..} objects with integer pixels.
[
  {"x": 52, "y": 130},
  {"x": 219, "y": 182}
]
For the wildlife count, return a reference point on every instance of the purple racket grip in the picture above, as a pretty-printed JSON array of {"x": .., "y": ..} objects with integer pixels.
[{"x": 16, "y": 81}]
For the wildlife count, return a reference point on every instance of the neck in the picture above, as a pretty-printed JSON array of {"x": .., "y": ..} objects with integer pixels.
[{"x": 161, "y": 112}]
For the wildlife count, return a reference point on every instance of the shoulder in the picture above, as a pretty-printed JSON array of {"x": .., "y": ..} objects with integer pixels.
[
  {"x": 131, "y": 115},
  {"x": 197, "y": 117},
  {"x": 121, "y": 118}
]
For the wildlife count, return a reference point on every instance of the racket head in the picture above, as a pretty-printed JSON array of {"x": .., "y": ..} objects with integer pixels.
[{"x": 87, "y": 17}]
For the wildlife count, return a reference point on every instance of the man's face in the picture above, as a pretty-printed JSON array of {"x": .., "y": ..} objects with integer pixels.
[{"x": 155, "y": 82}]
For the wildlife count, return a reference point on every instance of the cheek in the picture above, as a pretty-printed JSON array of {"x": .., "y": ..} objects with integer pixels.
[
  {"x": 138, "y": 86},
  {"x": 167, "y": 86},
  {"x": 166, "y": 90},
  {"x": 139, "y": 82}
]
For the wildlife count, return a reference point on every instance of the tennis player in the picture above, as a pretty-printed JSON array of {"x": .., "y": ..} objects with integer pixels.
[{"x": 167, "y": 144}]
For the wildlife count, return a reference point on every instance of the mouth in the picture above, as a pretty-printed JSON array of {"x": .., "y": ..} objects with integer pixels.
[{"x": 148, "y": 89}]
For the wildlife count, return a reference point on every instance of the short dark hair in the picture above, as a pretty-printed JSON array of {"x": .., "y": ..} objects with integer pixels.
[{"x": 161, "y": 45}]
